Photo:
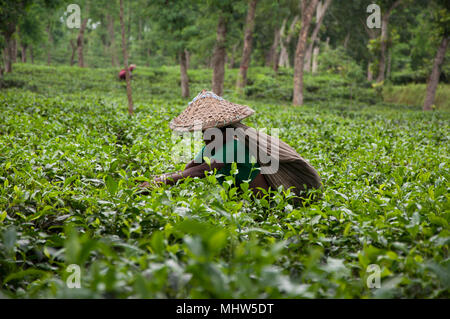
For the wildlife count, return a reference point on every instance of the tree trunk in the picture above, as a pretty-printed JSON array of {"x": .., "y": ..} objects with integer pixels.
[
  {"x": 347, "y": 38},
  {"x": 320, "y": 14},
  {"x": 112, "y": 46},
  {"x": 8, "y": 52},
  {"x": 308, "y": 54},
  {"x": 125, "y": 61},
  {"x": 268, "y": 58},
  {"x": 74, "y": 49},
  {"x": 388, "y": 70},
  {"x": 284, "y": 44},
  {"x": 369, "y": 72},
  {"x": 183, "y": 74},
  {"x": 383, "y": 45},
  {"x": 307, "y": 12},
  {"x": 218, "y": 60},
  {"x": 315, "y": 64},
  {"x": 80, "y": 43},
  {"x": 274, "y": 50},
  {"x": 188, "y": 59},
  {"x": 23, "y": 53},
  {"x": 14, "y": 50},
  {"x": 233, "y": 55},
  {"x": 128, "y": 31},
  {"x": 8, "y": 36},
  {"x": 384, "y": 40},
  {"x": 372, "y": 34},
  {"x": 246, "y": 52},
  {"x": 282, "y": 55},
  {"x": 433, "y": 80}
]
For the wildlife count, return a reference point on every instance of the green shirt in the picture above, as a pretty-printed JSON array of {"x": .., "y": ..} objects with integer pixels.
[{"x": 232, "y": 151}]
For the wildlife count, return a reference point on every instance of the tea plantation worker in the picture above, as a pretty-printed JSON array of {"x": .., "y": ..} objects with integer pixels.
[
  {"x": 262, "y": 160},
  {"x": 122, "y": 73}
]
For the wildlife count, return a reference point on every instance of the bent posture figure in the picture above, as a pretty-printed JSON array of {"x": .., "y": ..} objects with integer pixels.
[
  {"x": 122, "y": 73},
  {"x": 227, "y": 150},
  {"x": 262, "y": 160}
]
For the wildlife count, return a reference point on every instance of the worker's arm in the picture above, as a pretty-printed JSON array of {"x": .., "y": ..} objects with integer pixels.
[
  {"x": 194, "y": 170},
  {"x": 191, "y": 164}
]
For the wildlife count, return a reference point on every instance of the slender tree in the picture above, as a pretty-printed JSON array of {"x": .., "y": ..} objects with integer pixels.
[
  {"x": 125, "y": 61},
  {"x": 188, "y": 58},
  {"x": 286, "y": 41},
  {"x": 308, "y": 8},
  {"x": 372, "y": 34},
  {"x": 384, "y": 40},
  {"x": 23, "y": 53},
  {"x": 315, "y": 61},
  {"x": 14, "y": 47},
  {"x": 440, "y": 24},
  {"x": 80, "y": 38},
  {"x": 232, "y": 59},
  {"x": 74, "y": 50},
  {"x": 247, "y": 50},
  {"x": 433, "y": 80},
  {"x": 269, "y": 20},
  {"x": 320, "y": 14},
  {"x": 30, "y": 29},
  {"x": 274, "y": 53},
  {"x": 8, "y": 36},
  {"x": 11, "y": 13}
]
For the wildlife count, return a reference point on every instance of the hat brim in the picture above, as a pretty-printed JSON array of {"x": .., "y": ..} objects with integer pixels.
[{"x": 208, "y": 112}]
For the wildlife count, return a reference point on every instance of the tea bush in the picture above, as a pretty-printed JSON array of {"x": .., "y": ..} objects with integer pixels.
[{"x": 70, "y": 160}]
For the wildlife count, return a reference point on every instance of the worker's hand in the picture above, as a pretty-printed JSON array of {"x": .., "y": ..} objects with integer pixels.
[
  {"x": 144, "y": 185},
  {"x": 156, "y": 182},
  {"x": 159, "y": 180}
]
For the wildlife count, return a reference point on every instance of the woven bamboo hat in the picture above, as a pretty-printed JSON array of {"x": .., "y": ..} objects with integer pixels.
[{"x": 208, "y": 110}]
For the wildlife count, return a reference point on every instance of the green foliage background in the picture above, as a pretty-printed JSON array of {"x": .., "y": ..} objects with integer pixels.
[{"x": 70, "y": 158}]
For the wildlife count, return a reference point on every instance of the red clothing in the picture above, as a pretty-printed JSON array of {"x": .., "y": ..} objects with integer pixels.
[{"x": 122, "y": 73}]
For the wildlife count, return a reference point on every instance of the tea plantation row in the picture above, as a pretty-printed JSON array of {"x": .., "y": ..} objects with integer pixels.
[{"x": 70, "y": 160}]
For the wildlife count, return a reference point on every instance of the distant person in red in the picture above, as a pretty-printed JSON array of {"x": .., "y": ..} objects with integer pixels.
[{"x": 122, "y": 73}]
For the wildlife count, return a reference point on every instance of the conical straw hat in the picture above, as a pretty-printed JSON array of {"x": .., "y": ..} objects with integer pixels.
[{"x": 208, "y": 110}]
